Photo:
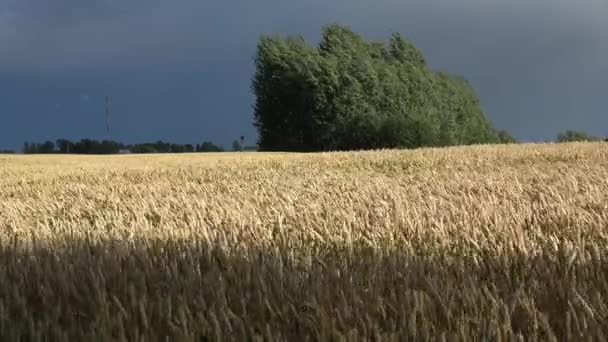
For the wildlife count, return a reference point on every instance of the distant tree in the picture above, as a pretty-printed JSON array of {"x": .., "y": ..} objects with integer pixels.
[
  {"x": 175, "y": 148},
  {"x": 109, "y": 147},
  {"x": 7, "y": 152},
  {"x": 236, "y": 146},
  {"x": 47, "y": 147},
  {"x": 208, "y": 146},
  {"x": 144, "y": 148},
  {"x": 162, "y": 147},
  {"x": 32, "y": 148},
  {"x": 92, "y": 146},
  {"x": 572, "y": 135},
  {"x": 87, "y": 146},
  {"x": 505, "y": 137},
  {"x": 64, "y": 145}
]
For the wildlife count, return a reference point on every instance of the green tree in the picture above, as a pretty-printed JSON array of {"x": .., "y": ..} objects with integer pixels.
[
  {"x": 176, "y": 148},
  {"x": 64, "y": 145},
  {"x": 47, "y": 147},
  {"x": 208, "y": 146},
  {"x": 349, "y": 93},
  {"x": 572, "y": 135},
  {"x": 505, "y": 137},
  {"x": 144, "y": 148},
  {"x": 236, "y": 146}
]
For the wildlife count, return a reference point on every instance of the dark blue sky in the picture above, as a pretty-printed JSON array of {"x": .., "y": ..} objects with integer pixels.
[{"x": 180, "y": 70}]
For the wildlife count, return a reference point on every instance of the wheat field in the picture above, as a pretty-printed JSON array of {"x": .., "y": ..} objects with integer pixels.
[{"x": 471, "y": 243}]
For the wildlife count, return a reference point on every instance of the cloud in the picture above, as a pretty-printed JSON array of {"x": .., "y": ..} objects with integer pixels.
[
  {"x": 72, "y": 34},
  {"x": 531, "y": 60}
]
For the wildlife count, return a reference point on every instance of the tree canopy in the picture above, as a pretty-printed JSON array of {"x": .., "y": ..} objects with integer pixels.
[
  {"x": 572, "y": 136},
  {"x": 348, "y": 93}
]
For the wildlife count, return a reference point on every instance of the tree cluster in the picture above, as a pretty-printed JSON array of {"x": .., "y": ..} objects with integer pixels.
[
  {"x": 208, "y": 146},
  {"x": 91, "y": 146},
  {"x": 45, "y": 147},
  {"x": 572, "y": 136},
  {"x": 348, "y": 93}
]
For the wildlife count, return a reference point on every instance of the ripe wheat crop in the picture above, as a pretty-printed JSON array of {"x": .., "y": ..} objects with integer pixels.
[{"x": 472, "y": 243}]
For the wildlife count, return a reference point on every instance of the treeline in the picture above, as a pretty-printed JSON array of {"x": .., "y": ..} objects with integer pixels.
[
  {"x": 572, "y": 135},
  {"x": 91, "y": 146}
]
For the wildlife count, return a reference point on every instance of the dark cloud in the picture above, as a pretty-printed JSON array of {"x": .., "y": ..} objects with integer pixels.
[
  {"x": 94, "y": 33},
  {"x": 61, "y": 13},
  {"x": 537, "y": 65}
]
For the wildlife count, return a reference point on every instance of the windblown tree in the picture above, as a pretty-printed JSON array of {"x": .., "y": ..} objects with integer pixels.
[{"x": 348, "y": 93}]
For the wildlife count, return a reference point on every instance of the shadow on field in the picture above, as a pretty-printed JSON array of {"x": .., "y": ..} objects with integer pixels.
[{"x": 158, "y": 290}]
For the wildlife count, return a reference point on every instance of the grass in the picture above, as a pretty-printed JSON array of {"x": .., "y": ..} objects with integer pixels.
[{"x": 471, "y": 243}]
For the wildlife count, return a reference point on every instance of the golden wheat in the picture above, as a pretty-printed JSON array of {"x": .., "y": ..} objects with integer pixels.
[{"x": 469, "y": 243}]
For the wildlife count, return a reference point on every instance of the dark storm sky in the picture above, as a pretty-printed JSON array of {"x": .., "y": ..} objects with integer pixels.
[{"x": 180, "y": 70}]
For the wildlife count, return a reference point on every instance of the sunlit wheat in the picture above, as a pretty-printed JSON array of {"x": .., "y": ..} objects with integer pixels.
[{"x": 469, "y": 243}]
